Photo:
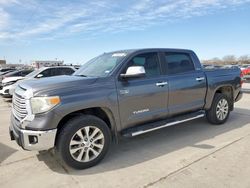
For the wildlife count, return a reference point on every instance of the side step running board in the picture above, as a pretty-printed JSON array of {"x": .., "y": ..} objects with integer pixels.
[{"x": 134, "y": 131}]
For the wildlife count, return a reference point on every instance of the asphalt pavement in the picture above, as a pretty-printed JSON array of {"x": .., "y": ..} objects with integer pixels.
[{"x": 193, "y": 154}]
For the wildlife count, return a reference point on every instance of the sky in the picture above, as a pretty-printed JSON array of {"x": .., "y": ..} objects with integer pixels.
[{"x": 78, "y": 30}]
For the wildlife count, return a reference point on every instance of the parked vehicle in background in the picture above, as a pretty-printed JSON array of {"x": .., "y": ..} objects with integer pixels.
[
  {"x": 6, "y": 69},
  {"x": 230, "y": 66},
  {"x": 246, "y": 71},
  {"x": 11, "y": 78},
  {"x": 39, "y": 73},
  {"x": 17, "y": 74},
  {"x": 119, "y": 94},
  {"x": 243, "y": 67},
  {"x": 211, "y": 66},
  {"x": 2, "y": 74}
]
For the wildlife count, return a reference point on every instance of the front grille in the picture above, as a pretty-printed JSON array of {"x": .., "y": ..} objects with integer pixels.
[{"x": 19, "y": 107}]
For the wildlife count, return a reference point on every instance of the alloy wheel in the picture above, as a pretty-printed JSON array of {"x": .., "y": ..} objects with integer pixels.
[
  {"x": 222, "y": 109},
  {"x": 86, "y": 144}
]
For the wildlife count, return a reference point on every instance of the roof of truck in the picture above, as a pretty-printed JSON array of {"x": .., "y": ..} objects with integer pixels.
[{"x": 129, "y": 51}]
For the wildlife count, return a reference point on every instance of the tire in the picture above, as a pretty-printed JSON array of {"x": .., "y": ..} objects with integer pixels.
[
  {"x": 220, "y": 110},
  {"x": 78, "y": 150}
]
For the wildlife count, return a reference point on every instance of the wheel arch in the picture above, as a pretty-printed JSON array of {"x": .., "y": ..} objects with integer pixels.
[
  {"x": 101, "y": 112},
  {"x": 226, "y": 90}
]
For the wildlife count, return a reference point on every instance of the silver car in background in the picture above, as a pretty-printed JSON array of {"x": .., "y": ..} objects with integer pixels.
[{"x": 43, "y": 73}]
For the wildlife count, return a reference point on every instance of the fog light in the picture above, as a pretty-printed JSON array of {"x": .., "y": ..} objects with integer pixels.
[{"x": 33, "y": 139}]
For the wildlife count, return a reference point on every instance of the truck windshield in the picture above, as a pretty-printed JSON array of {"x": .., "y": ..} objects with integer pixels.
[{"x": 100, "y": 66}]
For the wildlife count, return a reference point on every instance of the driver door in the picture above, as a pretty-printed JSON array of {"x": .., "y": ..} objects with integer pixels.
[{"x": 143, "y": 99}]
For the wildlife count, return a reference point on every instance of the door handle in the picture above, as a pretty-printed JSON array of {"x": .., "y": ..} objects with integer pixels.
[
  {"x": 200, "y": 79},
  {"x": 161, "y": 84}
]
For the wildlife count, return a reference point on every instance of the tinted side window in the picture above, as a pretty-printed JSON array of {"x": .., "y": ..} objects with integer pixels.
[
  {"x": 17, "y": 74},
  {"x": 178, "y": 63},
  {"x": 25, "y": 72},
  {"x": 55, "y": 71},
  {"x": 22, "y": 73},
  {"x": 149, "y": 61},
  {"x": 46, "y": 73},
  {"x": 66, "y": 71}
]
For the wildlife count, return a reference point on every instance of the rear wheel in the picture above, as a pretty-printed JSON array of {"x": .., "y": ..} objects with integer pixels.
[
  {"x": 219, "y": 111},
  {"x": 83, "y": 141}
]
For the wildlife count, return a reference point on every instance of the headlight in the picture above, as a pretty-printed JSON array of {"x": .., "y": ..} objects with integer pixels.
[{"x": 43, "y": 104}]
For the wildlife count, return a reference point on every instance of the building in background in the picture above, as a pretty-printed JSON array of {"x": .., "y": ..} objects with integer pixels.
[
  {"x": 39, "y": 64},
  {"x": 2, "y": 62}
]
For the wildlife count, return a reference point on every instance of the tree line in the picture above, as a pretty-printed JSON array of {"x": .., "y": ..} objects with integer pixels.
[{"x": 229, "y": 60}]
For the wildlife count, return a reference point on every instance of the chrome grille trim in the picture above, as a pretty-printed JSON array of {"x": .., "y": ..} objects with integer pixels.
[{"x": 19, "y": 107}]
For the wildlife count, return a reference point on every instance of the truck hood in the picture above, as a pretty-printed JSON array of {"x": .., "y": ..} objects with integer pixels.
[{"x": 56, "y": 84}]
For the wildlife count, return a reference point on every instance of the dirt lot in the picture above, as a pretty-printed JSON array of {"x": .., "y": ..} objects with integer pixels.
[{"x": 194, "y": 154}]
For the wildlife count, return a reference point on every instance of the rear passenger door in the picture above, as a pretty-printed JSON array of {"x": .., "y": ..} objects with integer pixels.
[{"x": 187, "y": 85}]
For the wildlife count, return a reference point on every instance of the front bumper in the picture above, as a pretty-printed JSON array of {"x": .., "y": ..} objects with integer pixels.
[{"x": 32, "y": 140}]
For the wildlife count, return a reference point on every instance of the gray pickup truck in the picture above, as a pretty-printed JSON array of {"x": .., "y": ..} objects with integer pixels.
[{"x": 119, "y": 94}]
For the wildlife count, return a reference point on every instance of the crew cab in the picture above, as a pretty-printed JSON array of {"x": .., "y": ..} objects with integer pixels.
[{"x": 118, "y": 95}]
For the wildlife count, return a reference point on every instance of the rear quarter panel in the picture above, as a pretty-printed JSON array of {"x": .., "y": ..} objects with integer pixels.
[{"x": 217, "y": 78}]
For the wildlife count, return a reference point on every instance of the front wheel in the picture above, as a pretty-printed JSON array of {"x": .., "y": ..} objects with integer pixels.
[
  {"x": 219, "y": 111},
  {"x": 83, "y": 141}
]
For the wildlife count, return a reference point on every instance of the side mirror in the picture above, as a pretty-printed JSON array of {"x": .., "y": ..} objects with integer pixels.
[
  {"x": 134, "y": 72},
  {"x": 39, "y": 76}
]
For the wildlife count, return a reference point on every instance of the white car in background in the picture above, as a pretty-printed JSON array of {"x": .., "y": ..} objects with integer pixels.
[
  {"x": 11, "y": 78},
  {"x": 2, "y": 74},
  {"x": 40, "y": 73},
  {"x": 15, "y": 75}
]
